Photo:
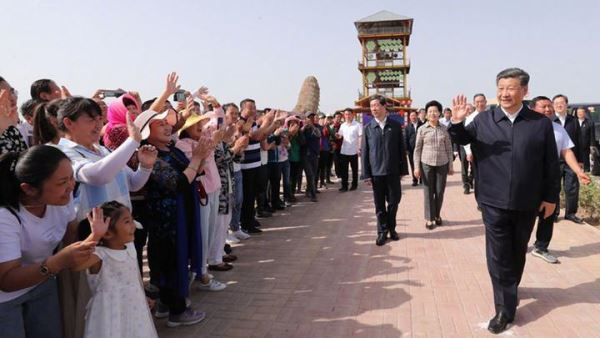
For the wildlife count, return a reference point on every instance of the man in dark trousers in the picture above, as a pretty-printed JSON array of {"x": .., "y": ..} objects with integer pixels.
[
  {"x": 587, "y": 138},
  {"x": 383, "y": 164},
  {"x": 517, "y": 177},
  {"x": 570, "y": 182},
  {"x": 410, "y": 139}
]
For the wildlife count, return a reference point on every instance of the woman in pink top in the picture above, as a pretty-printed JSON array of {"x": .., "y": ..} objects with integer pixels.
[{"x": 204, "y": 129}]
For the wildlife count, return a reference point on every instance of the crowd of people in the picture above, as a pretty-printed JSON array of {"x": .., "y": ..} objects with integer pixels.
[{"x": 89, "y": 185}]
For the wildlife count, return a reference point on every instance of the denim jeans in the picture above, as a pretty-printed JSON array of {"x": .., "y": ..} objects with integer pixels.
[
  {"x": 238, "y": 198},
  {"x": 34, "y": 314},
  {"x": 287, "y": 186}
]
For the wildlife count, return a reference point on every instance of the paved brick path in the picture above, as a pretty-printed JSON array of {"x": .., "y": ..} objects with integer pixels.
[{"x": 316, "y": 272}]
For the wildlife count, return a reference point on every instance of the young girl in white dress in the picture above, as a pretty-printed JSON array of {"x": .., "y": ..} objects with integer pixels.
[{"x": 118, "y": 307}]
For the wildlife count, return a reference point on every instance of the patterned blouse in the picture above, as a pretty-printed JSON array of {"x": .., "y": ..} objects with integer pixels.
[
  {"x": 433, "y": 146},
  {"x": 224, "y": 158},
  {"x": 11, "y": 140}
]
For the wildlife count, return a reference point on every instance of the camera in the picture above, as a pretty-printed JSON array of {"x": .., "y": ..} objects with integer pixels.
[
  {"x": 179, "y": 96},
  {"x": 112, "y": 93}
]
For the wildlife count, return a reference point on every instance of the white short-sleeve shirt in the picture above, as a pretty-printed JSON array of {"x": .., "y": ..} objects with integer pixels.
[
  {"x": 351, "y": 133},
  {"x": 33, "y": 239},
  {"x": 563, "y": 141}
]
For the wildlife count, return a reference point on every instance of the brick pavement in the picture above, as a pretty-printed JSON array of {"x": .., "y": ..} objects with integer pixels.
[{"x": 316, "y": 272}]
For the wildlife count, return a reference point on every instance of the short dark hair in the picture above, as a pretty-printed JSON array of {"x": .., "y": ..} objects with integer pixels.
[
  {"x": 146, "y": 105},
  {"x": 32, "y": 166},
  {"x": 479, "y": 94},
  {"x": 433, "y": 103},
  {"x": 243, "y": 102},
  {"x": 28, "y": 107},
  {"x": 337, "y": 113},
  {"x": 349, "y": 109},
  {"x": 559, "y": 96},
  {"x": 230, "y": 104},
  {"x": 382, "y": 100},
  {"x": 447, "y": 109},
  {"x": 40, "y": 86},
  {"x": 74, "y": 107},
  {"x": 537, "y": 99},
  {"x": 514, "y": 73}
]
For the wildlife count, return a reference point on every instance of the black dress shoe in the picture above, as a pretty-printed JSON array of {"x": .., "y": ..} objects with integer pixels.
[
  {"x": 342, "y": 189},
  {"x": 263, "y": 214},
  {"x": 438, "y": 221},
  {"x": 414, "y": 184},
  {"x": 499, "y": 323},
  {"x": 467, "y": 190},
  {"x": 354, "y": 187},
  {"x": 252, "y": 230},
  {"x": 573, "y": 218},
  {"x": 394, "y": 235},
  {"x": 313, "y": 199},
  {"x": 430, "y": 225},
  {"x": 381, "y": 238}
]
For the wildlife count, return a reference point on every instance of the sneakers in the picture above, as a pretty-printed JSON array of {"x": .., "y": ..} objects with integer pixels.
[
  {"x": 162, "y": 310},
  {"x": 240, "y": 234},
  {"x": 545, "y": 255},
  {"x": 231, "y": 239},
  {"x": 187, "y": 317},
  {"x": 213, "y": 285}
]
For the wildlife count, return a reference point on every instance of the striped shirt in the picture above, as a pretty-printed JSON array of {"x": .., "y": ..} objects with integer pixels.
[{"x": 251, "y": 157}]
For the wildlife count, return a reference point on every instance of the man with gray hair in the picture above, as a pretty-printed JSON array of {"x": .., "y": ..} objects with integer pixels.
[{"x": 517, "y": 176}]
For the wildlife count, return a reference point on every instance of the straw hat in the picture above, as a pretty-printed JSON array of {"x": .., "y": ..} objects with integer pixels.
[
  {"x": 192, "y": 120},
  {"x": 143, "y": 120}
]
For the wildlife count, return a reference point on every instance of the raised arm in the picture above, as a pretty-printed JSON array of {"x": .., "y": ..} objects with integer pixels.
[{"x": 170, "y": 88}]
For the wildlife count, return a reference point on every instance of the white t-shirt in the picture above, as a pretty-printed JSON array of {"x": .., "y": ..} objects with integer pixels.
[
  {"x": 351, "y": 133},
  {"x": 34, "y": 239},
  {"x": 563, "y": 141}
]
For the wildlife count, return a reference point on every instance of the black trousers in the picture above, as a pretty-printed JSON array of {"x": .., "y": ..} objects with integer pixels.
[
  {"x": 296, "y": 176},
  {"x": 570, "y": 185},
  {"x": 261, "y": 193},
  {"x": 386, "y": 190},
  {"x": 466, "y": 174},
  {"x": 323, "y": 172},
  {"x": 336, "y": 161},
  {"x": 411, "y": 161},
  {"x": 330, "y": 165},
  {"x": 507, "y": 234},
  {"x": 543, "y": 234},
  {"x": 584, "y": 154},
  {"x": 251, "y": 186},
  {"x": 275, "y": 184},
  {"x": 353, "y": 161},
  {"x": 310, "y": 169}
]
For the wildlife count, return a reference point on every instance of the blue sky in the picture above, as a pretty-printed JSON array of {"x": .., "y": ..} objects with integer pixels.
[{"x": 264, "y": 49}]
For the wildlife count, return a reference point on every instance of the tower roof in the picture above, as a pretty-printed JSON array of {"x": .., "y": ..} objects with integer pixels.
[{"x": 383, "y": 16}]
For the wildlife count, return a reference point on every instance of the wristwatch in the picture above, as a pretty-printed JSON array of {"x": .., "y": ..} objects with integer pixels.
[{"x": 45, "y": 271}]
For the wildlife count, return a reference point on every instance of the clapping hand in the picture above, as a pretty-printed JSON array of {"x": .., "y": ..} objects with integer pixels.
[
  {"x": 147, "y": 155},
  {"x": 202, "y": 149},
  {"x": 132, "y": 129},
  {"x": 459, "y": 108}
]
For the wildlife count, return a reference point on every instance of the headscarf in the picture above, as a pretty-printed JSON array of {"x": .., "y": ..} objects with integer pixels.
[{"x": 116, "y": 113}]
